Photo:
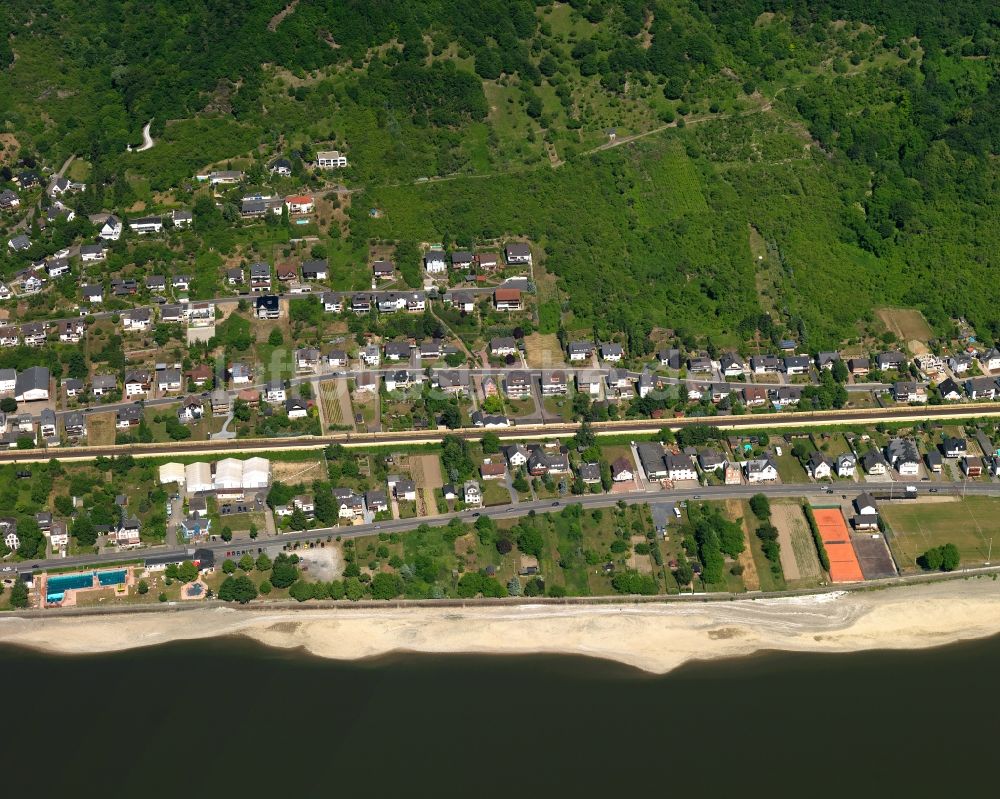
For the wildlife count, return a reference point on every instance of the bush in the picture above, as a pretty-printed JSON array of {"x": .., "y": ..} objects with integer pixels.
[
  {"x": 943, "y": 558},
  {"x": 824, "y": 558}
]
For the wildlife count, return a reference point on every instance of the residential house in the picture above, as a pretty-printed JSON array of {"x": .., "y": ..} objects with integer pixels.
[
  {"x": 846, "y": 464},
  {"x": 589, "y": 473},
  {"x": 371, "y": 355},
  {"x": 191, "y": 410},
  {"x": 893, "y": 359},
  {"x": 934, "y": 461},
  {"x": 826, "y": 360},
  {"x": 75, "y": 424},
  {"x": 330, "y": 159},
  {"x": 517, "y": 385},
  {"x": 299, "y": 204},
  {"x": 234, "y": 276},
  {"x": 274, "y": 392},
  {"x": 137, "y": 382},
  {"x": 9, "y": 336},
  {"x": 761, "y": 470},
  {"x": 222, "y": 403},
  {"x": 679, "y": 467},
  {"x": 138, "y": 319},
  {"x": 434, "y": 262},
  {"x": 146, "y": 224},
  {"x": 462, "y": 259},
  {"x": 797, "y": 364},
  {"x": 239, "y": 374},
  {"x": 47, "y": 423},
  {"x": 259, "y": 207},
  {"x": 960, "y": 362},
  {"x": 505, "y": 299},
  {"x": 731, "y": 365},
  {"x": 260, "y": 277},
  {"x": 397, "y": 351},
  {"x": 764, "y": 364},
  {"x": 619, "y": 384},
  {"x": 465, "y": 301},
  {"x": 9, "y": 201},
  {"x": 306, "y": 359},
  {"x": 405, "y": 490},
  {"x": 71, "y": 330},
  {"x": 858, "y": 367},
  {"x": 647, "y": 383},
  {"x": 488, "y": 262},
  {"x": 296, "y": 408},
  {"x": 670, "y": 358},
  {"x": 102, "y": 385},
  {"x": 33, "y": 334},
  {"x": 902, "y": 454},
  {"x": 127, "y": 533},
  {"x": 651, "y": 459},
  {"x": 180, "y": 283},
  {"x": 472, "y": 494},
  {"x": 553, "y": 382},
  {"x": 754, "y": 396},
  {"x": 200, "y": 374},
  {"x": 171, "y": 313},
  {"x": 19, "y": 243},
  {"x": 128, "y": 416},
  {"x": 580, "y": 350},
  {"x": 337, "y": 358},
  {"x": 225, "y": 177},
  {"x": 612, "y": 351},
  {"x": 981, "y": 388},
  {"x": 267, "y": 306},
  {"x": 287, "y": 272},
  {"x": 429, "y": 349},
  {"x": 383, "y": 270},
  {"x": 361, "y": 304},
  {"x": 111, "y": 230},
  {"x": 517, "y": 253},
  {"x": 332, "y": 301},
  {"x": 402, "y": 380},
  {"x": 8, "y": 381},
  {"x": 491, "y": 469},
  {"x": 819, "y": 466},
  {"x": 451, "y": 381},
  {"x": 700, "y": 364},
  {"x": 32, "y": 384},
  {"x": 376, "y": 500},
  {"x": 169, "y": 379},
  {"x": 907, "y": 391},
  {"x": 953, "y": 447},
  {"x": 711, "y": 460},
  {"x": 502, "y": 346},
  {"x": 949, "y": 390},
  {"x": 972, "y": 466},
  {"x": 92, "y": 252},
  {"x": 157, "y": 283},
  {"x": 181, "y": 217},
  {"x": 989, "y": 361},
  {"x": 622, "y": 470},
  {"x": 72, "y": 386},
  {"x": 57, "y": 267},
  {"x": 873, "y": 463},
  {"x": 281, "y": 167}
]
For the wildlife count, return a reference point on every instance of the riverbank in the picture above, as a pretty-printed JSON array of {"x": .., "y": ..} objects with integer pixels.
[{"x": 655, "y": 638}]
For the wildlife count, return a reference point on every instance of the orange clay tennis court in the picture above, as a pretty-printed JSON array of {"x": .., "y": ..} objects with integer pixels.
[{"x": 844, "y": 566}]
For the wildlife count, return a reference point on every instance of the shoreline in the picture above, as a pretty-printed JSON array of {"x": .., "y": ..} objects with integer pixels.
[{"x": 654, "y": 638}]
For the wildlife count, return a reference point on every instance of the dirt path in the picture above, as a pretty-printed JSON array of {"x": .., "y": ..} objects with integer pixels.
[
  {"x": 277, "y": 18},
  {"x": 735, "y": 509}
]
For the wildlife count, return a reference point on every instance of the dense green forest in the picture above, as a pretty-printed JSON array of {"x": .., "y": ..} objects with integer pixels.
[{"x": 819, "y": 159}]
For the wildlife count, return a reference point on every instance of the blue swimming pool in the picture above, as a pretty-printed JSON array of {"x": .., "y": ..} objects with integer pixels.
[{"x": 58, "y": 585}]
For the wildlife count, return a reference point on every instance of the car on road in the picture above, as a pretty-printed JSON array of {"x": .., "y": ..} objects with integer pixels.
[
  {"x": 934, "y": 490},
  {"x": 476, "y": 513},
  {"x": 555, "y": 504},
  {"x": 697, "y": 496}
]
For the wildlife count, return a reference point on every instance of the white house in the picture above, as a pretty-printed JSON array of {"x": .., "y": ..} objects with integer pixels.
[
  {"x": 32, "y": 384},
  {"x": 761, "y": 470},
  {"x": 846, "y": 465},
  {"x": 111, "y": 230},
  {"x": 330, "y": 159},
  {"x": 434, "y": 262},
  {"x": 680, "y": 467},
  {"x": 299, "y": 204}
]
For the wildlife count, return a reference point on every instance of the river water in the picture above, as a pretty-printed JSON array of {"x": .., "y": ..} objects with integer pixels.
[{"x": 228, "y": 717}]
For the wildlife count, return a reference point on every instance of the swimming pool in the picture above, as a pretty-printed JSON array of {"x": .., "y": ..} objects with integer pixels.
[{"x": 57, "y": 586}]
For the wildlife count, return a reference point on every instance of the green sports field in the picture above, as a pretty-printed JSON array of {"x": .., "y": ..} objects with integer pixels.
[{"x": 969, "y": 524}]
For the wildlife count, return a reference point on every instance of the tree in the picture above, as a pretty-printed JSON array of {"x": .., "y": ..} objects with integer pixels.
[
  {"x": 266, "y": 587},
  {"x": 187, "y": 572},
  {"x": 226, "y": 533},
  {"x": 246, "y": 562},
  {"x": 19, "y": 594},
  {"x": 8, "y": 405},
  {"x": 385, "y": 585},
  {"x": 683, "y": 573},
  {"x": 143, "y": 587},
  {"x": 761, "y": 506},
  {"x": 228, "y": 566},
  {"x": 301, "y": 591},
  {"x": 237, "y": 589},
  {"x": 263, "y": 562},
  {"x": 284, "y": 572},
  {"x": 530, "y": 541},
  {"x": 491, "y": 443},
  {"x": 514, "y": 586}
]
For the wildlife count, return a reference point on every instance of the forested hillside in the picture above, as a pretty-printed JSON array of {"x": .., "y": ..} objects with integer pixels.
[{"x": 854, "y": 143}]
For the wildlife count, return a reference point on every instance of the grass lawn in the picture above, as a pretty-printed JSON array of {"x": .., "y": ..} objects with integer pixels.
[
  {"x": 789, "y": 468},
  {"x": 101, "y": 429},
  {"x": 560, "y": 406},
  {"x": 917, "y": 526},
  {"x": 407, "y": 510},
  {"x": 495, "y": 493}
]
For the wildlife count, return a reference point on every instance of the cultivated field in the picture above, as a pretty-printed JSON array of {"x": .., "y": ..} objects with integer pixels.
[
  {"x": 101, "y": 429},
  {"x": 799, "y": 560},
  {"x": 543, "y": 351},
  {"x": 917, "y": 526},
  {"x": 298, "y": 471},
  {"x": 336, "y": 403},
  {"x": 907, "y": 323}
]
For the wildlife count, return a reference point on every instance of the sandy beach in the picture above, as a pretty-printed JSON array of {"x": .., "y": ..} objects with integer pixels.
[{"x": 655, "y": 638}]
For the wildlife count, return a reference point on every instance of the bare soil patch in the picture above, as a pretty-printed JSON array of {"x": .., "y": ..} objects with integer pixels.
[
  {"x": 641, "y": 563},
  {"x": 101, "y": 429},
  {"x": 323, "y": 563},
  {"x": 798, "y": 552},
  {"x": 543, "y": 350},
  {"x": 908, "y": 324},
  {"x": 736, "y": 510},
  {"x": 298, "y": 471}
]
